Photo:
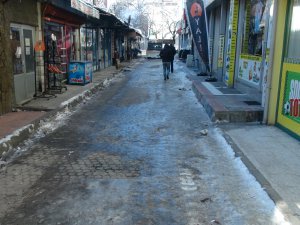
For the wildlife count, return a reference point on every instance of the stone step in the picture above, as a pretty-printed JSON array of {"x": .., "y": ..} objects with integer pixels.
[{"x": 227, "y": 104}]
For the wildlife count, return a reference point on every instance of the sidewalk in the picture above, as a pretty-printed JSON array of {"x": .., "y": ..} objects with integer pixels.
[
  {"x": 15, "y": 127},
  {"x": 271, "y": 155}
]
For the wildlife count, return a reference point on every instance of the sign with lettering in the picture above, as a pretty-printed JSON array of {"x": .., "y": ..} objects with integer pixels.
[
  {"x": 221, "y": 51},
  {"x": 87, "y": 9},
  {"x": 196, "y": 15},
  {"x": 291, "y": 98}
]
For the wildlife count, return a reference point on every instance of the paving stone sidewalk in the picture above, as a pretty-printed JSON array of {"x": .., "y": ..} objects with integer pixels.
[{"x": 15, "y": 127}]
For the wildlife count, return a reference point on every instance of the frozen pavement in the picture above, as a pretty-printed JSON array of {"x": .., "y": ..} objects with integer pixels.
[{"x": 269, "y": 154}]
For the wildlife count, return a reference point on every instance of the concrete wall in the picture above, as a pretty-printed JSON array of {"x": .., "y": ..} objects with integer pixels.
[{"x": 23, "y": 12}]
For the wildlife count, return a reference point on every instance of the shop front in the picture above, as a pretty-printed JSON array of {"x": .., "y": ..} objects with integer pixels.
[
  {"x": 218, "y": 25},
  {"x": 61, "y": 37},
  {"x": 288, "y": 108},
  {"x": 22, "y": 41},
  {"x": 253, "y": 60},
  {"x": 247, "y": 46}
]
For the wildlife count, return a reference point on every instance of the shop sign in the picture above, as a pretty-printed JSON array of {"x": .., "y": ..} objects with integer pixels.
[
  {"x": 291, "y": 98},
  {"x": 221, "y": 51},
  {"x": 87, "y": 9}
]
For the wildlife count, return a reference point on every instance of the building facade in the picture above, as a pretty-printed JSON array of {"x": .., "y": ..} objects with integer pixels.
[
  {"x": 254, "y": 44},
  {"x": 45, "y": 37},
  {"x": 284, "y": 86}
]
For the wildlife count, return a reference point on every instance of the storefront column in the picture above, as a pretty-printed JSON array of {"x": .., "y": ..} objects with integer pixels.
[
  {"x": 232, "y": 42},
  {"x": 276, "y": 66},
  {"x": 39, "y": 55},
  {"x": 221, "y": 40}
]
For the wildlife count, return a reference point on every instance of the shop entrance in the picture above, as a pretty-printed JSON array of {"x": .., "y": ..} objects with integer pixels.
[{"x": 23, "y": 61}]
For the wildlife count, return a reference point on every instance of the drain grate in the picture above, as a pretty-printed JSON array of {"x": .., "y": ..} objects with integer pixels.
[{"x": 252, "y": 102}]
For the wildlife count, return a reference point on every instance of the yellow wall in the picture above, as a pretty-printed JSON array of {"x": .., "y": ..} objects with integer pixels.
[{"x": 277, "y": 62}]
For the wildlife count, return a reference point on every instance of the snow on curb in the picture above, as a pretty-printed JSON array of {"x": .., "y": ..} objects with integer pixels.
[
  {"x": 248, "y": 177},
  {"x": 50, "y": 122}
]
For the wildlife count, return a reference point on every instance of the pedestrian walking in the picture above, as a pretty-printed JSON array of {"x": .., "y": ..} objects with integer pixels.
[
  {"x": 166, "y": 56},
  {"x": 173, "y": 51},
  {"x": 117, "y": 59}
]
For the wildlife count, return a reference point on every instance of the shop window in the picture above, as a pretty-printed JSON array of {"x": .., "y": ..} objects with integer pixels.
[
  {"x": 254, "y": 25},
  {"x": 293, "y": 48},
  {"x": 87, "y": 44},
  {"x": 15, "y": 36}
]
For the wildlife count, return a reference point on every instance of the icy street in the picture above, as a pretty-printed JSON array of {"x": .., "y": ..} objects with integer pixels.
[{"x": 142, "y": 151}]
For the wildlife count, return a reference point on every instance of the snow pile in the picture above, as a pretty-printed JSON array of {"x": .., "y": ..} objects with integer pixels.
[
  {"x": 50, "y": 124},
  {"x": 15, "y": 133}
]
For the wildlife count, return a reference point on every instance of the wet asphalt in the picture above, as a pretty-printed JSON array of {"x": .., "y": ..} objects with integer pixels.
[{"x": 134, "y": 154}]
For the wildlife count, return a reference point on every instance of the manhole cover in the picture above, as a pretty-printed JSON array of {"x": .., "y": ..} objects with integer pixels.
[{"x": 252, "y": 102}]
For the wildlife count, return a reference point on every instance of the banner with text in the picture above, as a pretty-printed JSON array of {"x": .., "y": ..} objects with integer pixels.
[{"x": 196, "y": 16}]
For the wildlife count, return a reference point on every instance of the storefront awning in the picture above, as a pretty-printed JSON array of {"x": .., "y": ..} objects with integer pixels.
[{"x": 56, "y": 14}]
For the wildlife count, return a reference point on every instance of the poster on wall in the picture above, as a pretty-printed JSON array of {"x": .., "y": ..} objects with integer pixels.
[
  {"x": 221, "y": 51},
  {"x": 250, "y": 69},
  {"x": 196, "y": 15},
  {"x": 291, "y": 98}
]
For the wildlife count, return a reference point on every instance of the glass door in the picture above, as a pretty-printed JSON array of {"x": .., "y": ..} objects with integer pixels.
[
  {"x": 22, "y": 40},
  {"x": 29, "y": 57}
]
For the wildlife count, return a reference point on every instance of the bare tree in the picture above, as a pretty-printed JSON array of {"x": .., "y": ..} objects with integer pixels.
[
  {"x": 152, "y": 17},
  {"x": 170, "y": 23},
  {"x": 134, "y": 9}
]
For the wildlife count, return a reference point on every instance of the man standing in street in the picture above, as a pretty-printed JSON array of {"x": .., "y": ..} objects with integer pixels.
[
  {"x": 166, "y": 56},
  {"x": 173, "y": 53}
]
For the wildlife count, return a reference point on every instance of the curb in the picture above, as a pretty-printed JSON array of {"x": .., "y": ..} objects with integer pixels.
[
  {"x": 9, "y": 143},
  {"x": 260, "y": 178}
]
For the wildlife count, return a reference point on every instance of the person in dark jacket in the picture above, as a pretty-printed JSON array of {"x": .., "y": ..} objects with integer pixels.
[
  {"x": 166, "y": 56},
  {"x": 173, "y": 51}
]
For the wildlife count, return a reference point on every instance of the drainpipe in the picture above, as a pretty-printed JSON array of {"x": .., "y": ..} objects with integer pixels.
[{"x": 270, "y": 70}]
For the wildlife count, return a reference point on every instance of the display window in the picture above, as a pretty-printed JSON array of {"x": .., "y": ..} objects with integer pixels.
[
  {"x": 254, "y": 27},
  {"x": 86, "y": 37},
  {"x": 15, "y": 36},
  {"x": 22, "y": 49},
  {"x": 89, "y": 46},
  {"x": 254, "y": 33},
  {"x": 292, "y": 53}
]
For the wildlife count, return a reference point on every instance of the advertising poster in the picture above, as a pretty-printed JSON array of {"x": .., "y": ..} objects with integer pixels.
[
  {"x": 291, "y": 98},
  {"x": 250, "y": 69},
  {"x": 196, "y": 15},
  {"x": 221, "y": 51}
]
